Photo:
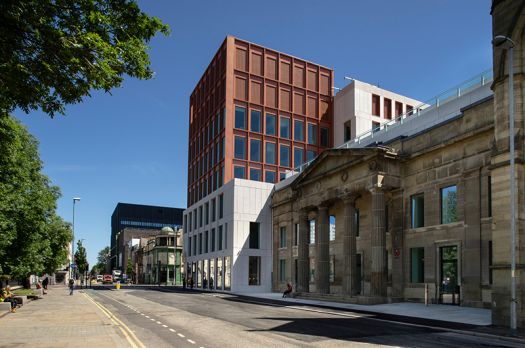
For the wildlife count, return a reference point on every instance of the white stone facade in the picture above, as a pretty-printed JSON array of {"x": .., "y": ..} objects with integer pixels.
[
  {"x": 221, "y": 261},
  {"x": 353, "y": 107}
]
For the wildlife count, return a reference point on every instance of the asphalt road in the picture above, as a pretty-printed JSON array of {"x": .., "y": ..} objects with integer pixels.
[{"x": 193, "y": 319}]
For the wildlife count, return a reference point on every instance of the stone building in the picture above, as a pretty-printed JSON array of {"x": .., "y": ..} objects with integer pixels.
[{"x": 422, "y": 205}]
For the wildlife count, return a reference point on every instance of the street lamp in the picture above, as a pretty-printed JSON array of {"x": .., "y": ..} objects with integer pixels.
[
  {"x": 75, "y": 199},
  {"x": 507, "y": 43}
]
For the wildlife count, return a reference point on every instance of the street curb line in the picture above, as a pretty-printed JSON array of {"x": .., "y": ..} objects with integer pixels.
[{"x": 118, "y": 323}]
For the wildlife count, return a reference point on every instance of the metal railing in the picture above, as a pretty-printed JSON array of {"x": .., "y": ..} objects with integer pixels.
[{"x": 419, "y": 110}]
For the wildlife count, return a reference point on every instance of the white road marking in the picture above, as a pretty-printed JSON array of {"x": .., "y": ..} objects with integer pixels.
[
  {"x": 142, "y": 314},
  {"x": 158, "y": 322},
  {"x": 152, "y": 319},
  {"x": 172, "y": 330},
  {"x": 147, "y": 316},
  {"x": 192, "y": 342},
  {"x": 164, "y": 325},
  {"x": 181, "y": 335}
]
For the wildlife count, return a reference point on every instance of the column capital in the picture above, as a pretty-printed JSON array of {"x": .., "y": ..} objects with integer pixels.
[
  {"x": 350, "y": 198},
  {"x": 377, "y": 189}
]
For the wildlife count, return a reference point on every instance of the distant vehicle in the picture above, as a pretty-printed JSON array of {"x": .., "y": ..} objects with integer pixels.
[
  {"x": 100, "y": 278},
  {"x": 116, "y": 275},
  {"x": 107, "y": 279}
]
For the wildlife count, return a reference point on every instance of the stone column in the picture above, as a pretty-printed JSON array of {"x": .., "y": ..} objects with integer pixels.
[
  {"x": 350, "y": 276},
  {"x": 303, "y": 254},
  {"x": 322, "y": 261},
  {"x": 378, "y": 274}
]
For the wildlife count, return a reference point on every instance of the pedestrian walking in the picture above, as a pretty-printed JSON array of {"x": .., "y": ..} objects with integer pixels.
[
  {"x": 45, "y": 282},
  {"x": 71, "y": 286},
  {"x": 183, "y": 281}
]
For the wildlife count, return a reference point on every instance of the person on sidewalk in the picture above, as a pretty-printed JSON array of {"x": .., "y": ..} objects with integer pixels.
[
  {"x": 71, "y": 286},
  {"x": 7, "y": 296},
  {"x": 288, "y": 290},
  {"x": 45, "y": 282}
]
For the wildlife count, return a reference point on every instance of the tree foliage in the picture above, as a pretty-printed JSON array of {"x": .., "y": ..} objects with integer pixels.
[
  {"x": 81, "y": 258},
  {"x": 33, "y": 238},
  {"x": 54, "y": 52},
  {"x": 102, "y": 260}
]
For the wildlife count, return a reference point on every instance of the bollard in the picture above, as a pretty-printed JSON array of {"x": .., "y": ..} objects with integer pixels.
[{"x": 118, "y": 285}]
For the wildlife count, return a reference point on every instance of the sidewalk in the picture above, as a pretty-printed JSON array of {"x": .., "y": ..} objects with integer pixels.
[
  {"x": 59, "y": 320},
  {"x": 455, "y": 314}
]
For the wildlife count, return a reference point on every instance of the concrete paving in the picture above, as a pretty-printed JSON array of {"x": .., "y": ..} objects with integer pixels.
[
  {"x": 60, "y": 320},
  {"x": 456, "y": 314}
]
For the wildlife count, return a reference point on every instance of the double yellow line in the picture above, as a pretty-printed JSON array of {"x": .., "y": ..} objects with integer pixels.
[{"x": 126, "y": 331}]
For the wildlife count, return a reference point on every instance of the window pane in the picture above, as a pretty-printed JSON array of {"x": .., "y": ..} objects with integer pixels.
[
  {"x": 219, "y": 241},
  {"x": 312, "y": 134},
  {"x": 285, "y": 156},
  {"x": 417, "y": 265},
  {"x": 255, "y": 174},
  {"x": 254, "y": 270},
  {"x": 449, "y": 205},
  {"x": 255, "y": 150},
  {"x": 221, "y": 206},
  {"x": 282, "y": 239},
  {"x": 285, "y": 127},
  {"x": 312, "y": 231},
  {"x": 310, "y": 155},
  {"x": 240, "y": 117},
  {"x": 298, "y": 155},
  {"x": 254, "y": 235},
  {"x": 418, "y": 210},
  {"x": 240, "y": 146},
  {"x": 332, "y": 227},
  {"x": 270, "y": 153},
  {"x": 270, "y": 176},
  {"x": 324, "y": 137},
  {"x": 298, "y": 130},
  {"x": 238, "y": 172},
  {"x": 270, "y": 124},
  {"x": 212, "y": 239},
  {"x": 255, "y": 121},
  {"x": 282, "y": 270}
]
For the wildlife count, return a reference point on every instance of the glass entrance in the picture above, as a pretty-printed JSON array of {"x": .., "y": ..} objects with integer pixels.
[{"x": 449, "y": 287}]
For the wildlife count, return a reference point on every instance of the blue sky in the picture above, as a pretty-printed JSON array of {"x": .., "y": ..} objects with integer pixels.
[{"x": 131, "y": 146}]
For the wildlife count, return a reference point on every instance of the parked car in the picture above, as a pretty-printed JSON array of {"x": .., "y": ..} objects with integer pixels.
[
  {"x": 100, "y": 278},
  {"x": 108, "y": 279}
]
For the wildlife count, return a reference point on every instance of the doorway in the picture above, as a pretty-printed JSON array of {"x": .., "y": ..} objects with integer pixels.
[{"x": 449, "y": 282}]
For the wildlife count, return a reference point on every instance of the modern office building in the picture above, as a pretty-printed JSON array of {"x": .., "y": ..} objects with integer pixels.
[
  {"x": 254, "y": 114},
  {"x": 133, "y": 221},
  {"x": 361, "y": 108}
]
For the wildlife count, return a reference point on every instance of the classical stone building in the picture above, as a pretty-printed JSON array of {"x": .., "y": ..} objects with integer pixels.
[{"x": 418, "y": 209}]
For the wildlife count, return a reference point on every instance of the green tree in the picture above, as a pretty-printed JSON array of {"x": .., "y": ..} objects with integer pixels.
[
  {"x": 31, "y": 233},
  {"x": 59, "y": 235},
  {"x": 81, "y": 258},
  {"x": 102, "y": 260},
  {"x": 54, "y": 52}
]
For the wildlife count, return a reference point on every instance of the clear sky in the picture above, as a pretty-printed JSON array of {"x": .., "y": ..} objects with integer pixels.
[{"x": 131, "y": 146}]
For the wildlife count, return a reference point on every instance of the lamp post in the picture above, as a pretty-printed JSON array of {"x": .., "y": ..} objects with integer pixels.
[
  {"x": 507, "y": 43},
  {"x": 71, "y": 273}
]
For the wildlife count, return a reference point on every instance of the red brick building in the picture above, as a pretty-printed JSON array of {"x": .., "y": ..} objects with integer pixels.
[{"x": 254, "y": 114}]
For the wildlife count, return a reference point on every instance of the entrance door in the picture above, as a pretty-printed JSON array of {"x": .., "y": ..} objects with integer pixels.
[{"x": 449, "y": 286}]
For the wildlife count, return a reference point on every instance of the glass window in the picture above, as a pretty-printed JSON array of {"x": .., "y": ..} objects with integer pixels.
[
  {"x": 298, "y": 155},
  {"x": 213, "y": 208},
  {"x": 282, "y": 270},
  {"x": 200, "y": 216},
  {"x": 270, "y": 176},
  {"x": 310, "y": 155},
  {"x": 332, "y": 227},
  {"x": 255, "y": 150},
  {"x": 324, "y": 136},
  {"x": 348, "y": 130},
  {"x": 240, "y": 117},
  {"x": 254, "y": 270},
  {"x": 312, "y": 231},
  {"x": 212, "y": 239},
  {"x": 417, "y": 265},
  {"x": 357, "y": 222},
  {"x": 285, "y": 127},
  {"x": 285, "y": 156},
  {"x": 282, "y": 237},
  {"x": 219, "y": 241},
  {"x": 254, "y": 235},
  {"x": 206, "y": 242},
  {"x": 189, "y": 246},
  {"x": 298, "y": 130},
  {"x": 255, "y": 174},
  {"x": 270, "y": 153},
  {"x": 221, "y": 204},
  {"x": 312, "y": 134},
  {"x": 270, "y": 124},
  {"x": 239, "y": 172},
  {"x": 194, "y": 245},
  {"x": 418, "y": 210},
  {"x": 449, "y": 205},
  {"x": 282, "y": 176},
  {"x": 207, "y": 213},
  {"x": 296, "y": 235},
  {"x": 200, "y": 243},
  {"x": 255, "y": 121},
  {"x": 240, "y": 147}
]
